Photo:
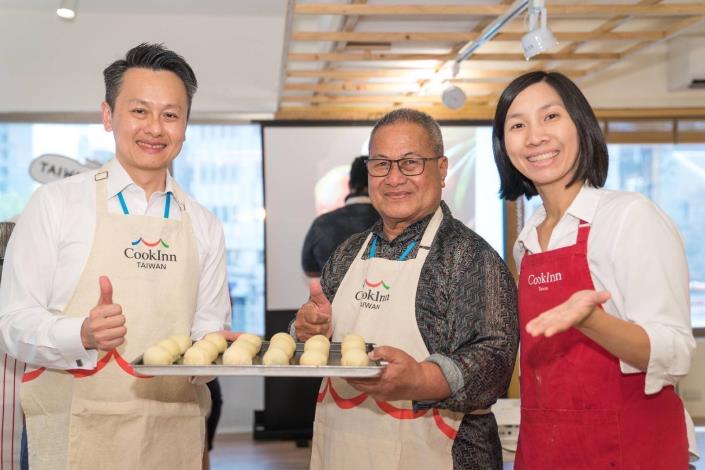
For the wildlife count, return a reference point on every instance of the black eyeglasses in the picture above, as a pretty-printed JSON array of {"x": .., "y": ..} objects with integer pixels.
[{"x": 408, "y": 166}]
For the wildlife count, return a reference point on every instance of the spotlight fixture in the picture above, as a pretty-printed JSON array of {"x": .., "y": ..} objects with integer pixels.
[
  {"x": 67, "y": 9},
  {"x": 453, "y": 97},
  {"x": 539, "y": 38}
]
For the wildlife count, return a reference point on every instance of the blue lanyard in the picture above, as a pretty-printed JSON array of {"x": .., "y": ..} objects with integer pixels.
[
  {"x": 167, "y": 204},
  {"x": 402, "y": 257}
]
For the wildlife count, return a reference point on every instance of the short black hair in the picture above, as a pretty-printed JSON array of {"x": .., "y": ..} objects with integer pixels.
[
  {"x": 148, "y": 56},
  {"x": 358, "y": 174},
  {"x": 593, "y": 159},
  {"x": 413, "y": 116}
]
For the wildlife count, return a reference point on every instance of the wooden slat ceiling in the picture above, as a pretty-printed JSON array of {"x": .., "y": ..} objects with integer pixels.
[{"x": 358, "y": 59}]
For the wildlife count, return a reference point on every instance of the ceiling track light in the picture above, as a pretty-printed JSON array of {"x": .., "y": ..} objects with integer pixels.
[
  {"x": 453, "y": 96},
  {"x": 67, "y": 9},
  {"x": 539, "y": 38}
]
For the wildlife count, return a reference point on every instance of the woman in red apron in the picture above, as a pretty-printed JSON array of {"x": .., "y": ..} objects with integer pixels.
[{"x": 603, "y": 294}]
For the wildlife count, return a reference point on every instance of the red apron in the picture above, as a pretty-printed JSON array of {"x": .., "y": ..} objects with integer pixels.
[{"x": 578, "y": 410}]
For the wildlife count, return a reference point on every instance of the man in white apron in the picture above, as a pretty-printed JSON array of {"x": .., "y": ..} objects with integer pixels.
[
  {"x": 439, "y": 303},
  {"x": 103, "y": 265}
]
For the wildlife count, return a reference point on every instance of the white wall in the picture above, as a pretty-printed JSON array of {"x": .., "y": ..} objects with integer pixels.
[{"x": 641, "y": 84}]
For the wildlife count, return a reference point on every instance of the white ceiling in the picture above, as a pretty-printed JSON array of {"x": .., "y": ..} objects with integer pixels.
[{"x": 52, "y": 65}]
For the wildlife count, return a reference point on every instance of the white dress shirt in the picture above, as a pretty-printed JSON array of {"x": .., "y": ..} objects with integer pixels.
[
  {"x": 636, "y": 253},
  {"x": 49, "y": 249}
]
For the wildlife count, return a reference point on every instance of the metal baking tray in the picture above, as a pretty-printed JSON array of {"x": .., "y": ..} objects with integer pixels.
[{"x": 257, "y": 369}]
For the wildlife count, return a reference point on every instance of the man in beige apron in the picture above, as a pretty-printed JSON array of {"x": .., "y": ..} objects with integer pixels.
[
  {"x": 142, "y": 281},
  {"x": 425, "y": 410}
]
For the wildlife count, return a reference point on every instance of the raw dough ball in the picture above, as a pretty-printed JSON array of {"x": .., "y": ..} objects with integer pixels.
[
  {"x": 237, "y": 356},
  {"x": 184, "y": 342},
  {"x": 275, "y": 357},
  {"x": 197, "y": 356},
  {"x": 352, "y": 346},
  {"x": 209, "y": 347},
  {"x": 218, "y": 340},
  {"x": 313, "y": 357},
  {"x": 250, "y": 338},
  {"x": 246, "y": 346},
  {"x": 352, "y": 338},
  {"x": 316, "y": 346},
  {"x": 171, "y": 346},
  {"x": 355, "y": 357},
  {"x": 285, "y": 342},
  {"x": 318, "y": 342},
  {"x": 157, "y": 356}
]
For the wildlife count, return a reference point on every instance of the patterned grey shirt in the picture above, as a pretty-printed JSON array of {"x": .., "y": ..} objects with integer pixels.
[{"x": 467, "y": 315}]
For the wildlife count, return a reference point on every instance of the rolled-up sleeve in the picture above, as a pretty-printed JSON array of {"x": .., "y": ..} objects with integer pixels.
[
  {"x": 482, "y": 335},
  {"x": 652, "y": 275}
]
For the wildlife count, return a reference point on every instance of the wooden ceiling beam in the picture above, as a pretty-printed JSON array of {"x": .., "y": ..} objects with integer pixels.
[
  {"x": 420, "y": 74},
  {"x": 673, "y": 31},
  {"x": 365, "y": 57},
  {"x": 372, "y": 99},
  {"x": 345, "y": 87},
  {"x": 373, "y": 113},
  {"x": 367, "y": 37},
  {"x": 471, "y": 112},
  {"x": 576, "y": 10},
  {"x": 349, "y": 87}
]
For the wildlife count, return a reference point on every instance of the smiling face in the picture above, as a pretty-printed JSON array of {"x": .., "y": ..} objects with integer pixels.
[
  {"x": 148, "y": 120},
  {"x": 402, "y": 200},
  {"x": 540, "y": 137}
]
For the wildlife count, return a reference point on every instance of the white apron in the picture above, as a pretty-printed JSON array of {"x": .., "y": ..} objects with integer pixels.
[
  {"x": 109, "y": 417},
  {"x": 377, "y": 300},
  {"x": 11, "y": 424}
]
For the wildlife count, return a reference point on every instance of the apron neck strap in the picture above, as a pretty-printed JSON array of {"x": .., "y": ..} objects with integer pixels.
[
  {"x": 583, "y": 233},
  {"x": 426, "y": 240},
  {"x": 167, "y": 204}
]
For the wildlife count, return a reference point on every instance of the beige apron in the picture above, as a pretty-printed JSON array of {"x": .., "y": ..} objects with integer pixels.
[
  {"x": 109, "y": 418},
  {"x": 377, "y": 300},
  {"x": 11, "y": 422}
]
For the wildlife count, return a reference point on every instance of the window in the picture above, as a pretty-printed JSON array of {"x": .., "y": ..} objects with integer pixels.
[{"x": 220, "y": 166}]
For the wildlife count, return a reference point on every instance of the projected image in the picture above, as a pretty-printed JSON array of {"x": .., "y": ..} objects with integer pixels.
[
  {"x": 471, "y": 172},
  {"x": 331, "y": 188}
]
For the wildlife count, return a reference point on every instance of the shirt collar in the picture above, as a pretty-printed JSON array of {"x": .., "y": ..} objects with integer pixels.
[
  {"x": 411, "y": 232},
  {"x": 583, "y": 207},
  {"x": 119, "y": 180}
]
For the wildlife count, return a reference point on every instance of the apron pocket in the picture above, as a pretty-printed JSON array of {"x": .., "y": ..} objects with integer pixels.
[
  {"x": 136, "y": 434},
  {"x": 575, "y": 439}
]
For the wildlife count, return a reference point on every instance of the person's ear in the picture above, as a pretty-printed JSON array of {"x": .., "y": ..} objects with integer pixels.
[
  {"x": 107, "y": 115},
  {"x": 443, "y": 169}
]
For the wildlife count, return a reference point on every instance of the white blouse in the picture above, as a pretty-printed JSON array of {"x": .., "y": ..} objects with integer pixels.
[{"x": 636, "y": 253}]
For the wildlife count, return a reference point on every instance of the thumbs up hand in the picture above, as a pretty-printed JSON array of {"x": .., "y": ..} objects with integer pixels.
[
  {"x": 315, "y": 316},
  {"x": 104, "y": 327}
]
